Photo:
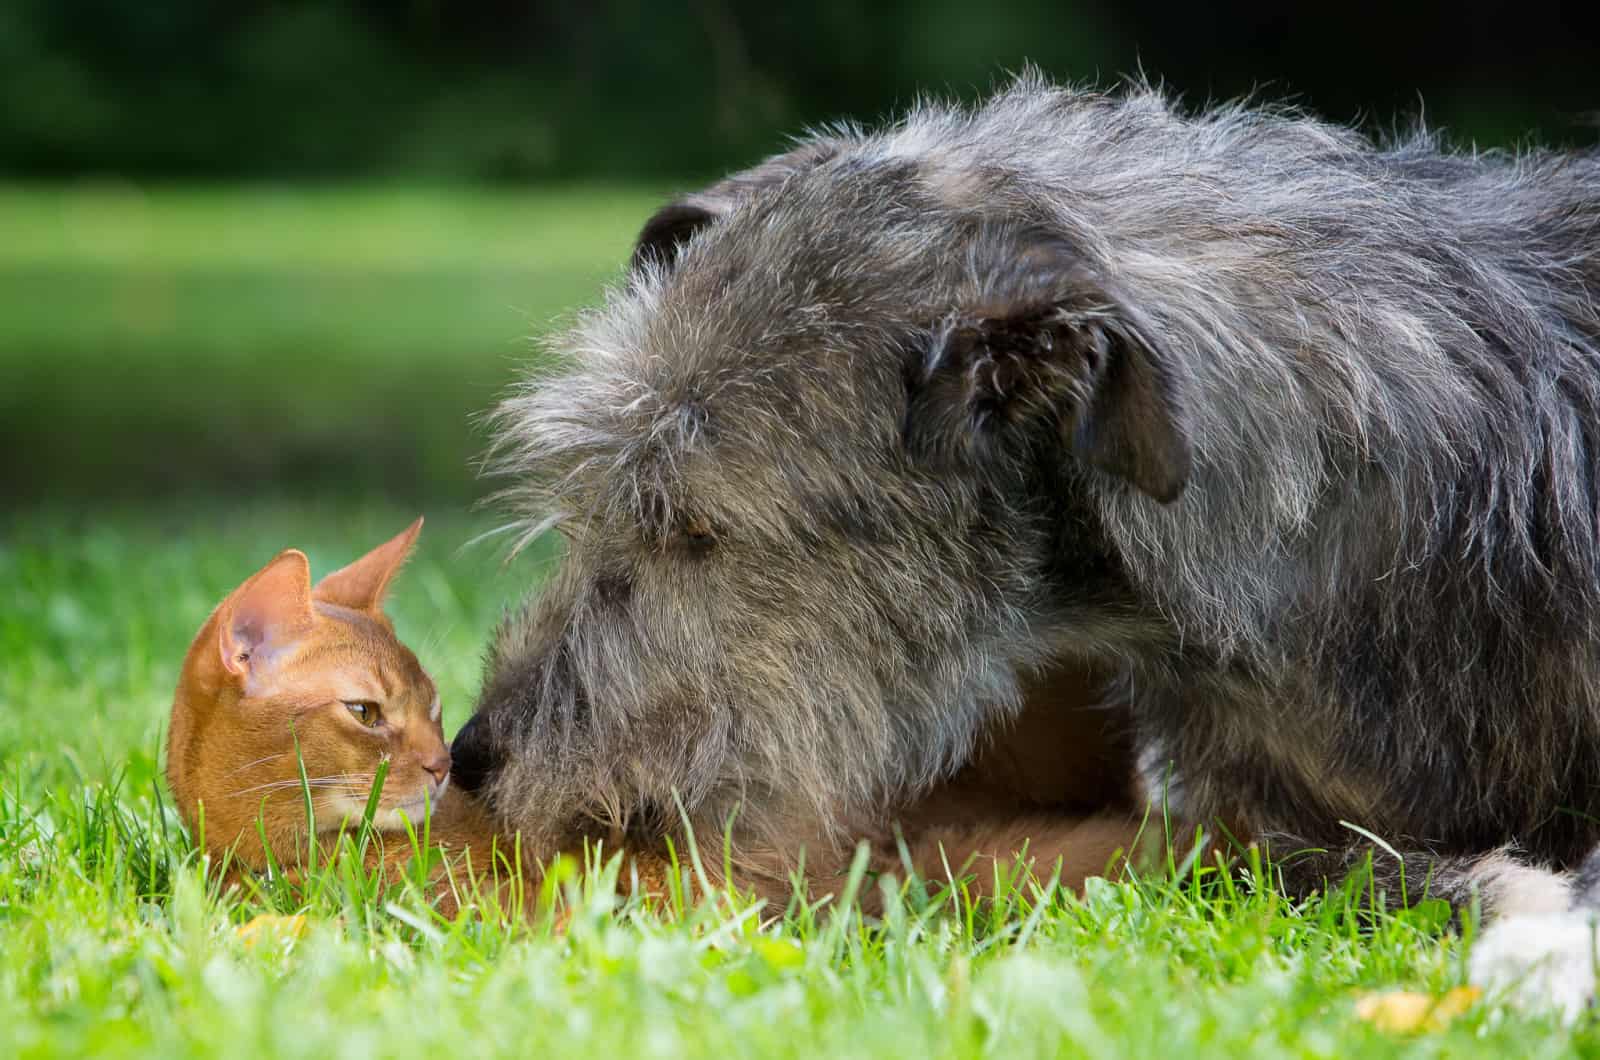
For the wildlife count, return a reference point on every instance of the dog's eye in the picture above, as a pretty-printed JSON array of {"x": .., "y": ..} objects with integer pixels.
[
  {"x": 366, "y": 711},
  {"x": 698, "y": 535}
]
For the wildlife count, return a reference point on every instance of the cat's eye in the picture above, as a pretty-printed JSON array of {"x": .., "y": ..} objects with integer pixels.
[{"x": 365, "y": 711}]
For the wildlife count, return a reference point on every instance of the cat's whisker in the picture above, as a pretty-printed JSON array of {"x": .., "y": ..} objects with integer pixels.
[
  {"x": 260, "y": 761},
  {"x": 354, "y": 807},
  {"x": 275, "y": 786},
  {"x": 332, "y": 780}
]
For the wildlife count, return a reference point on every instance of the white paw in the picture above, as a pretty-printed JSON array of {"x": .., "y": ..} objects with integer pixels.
[{"x": 1539, "y": 961}]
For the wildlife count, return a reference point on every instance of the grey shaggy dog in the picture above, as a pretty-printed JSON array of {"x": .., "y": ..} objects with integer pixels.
[{"x": 1296, "y": 433}]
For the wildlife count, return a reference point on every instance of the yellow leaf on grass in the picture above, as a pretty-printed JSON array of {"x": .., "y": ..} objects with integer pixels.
[
  {"x": 269, "y": 927},
  {"x": 1406, "y": 1011}
]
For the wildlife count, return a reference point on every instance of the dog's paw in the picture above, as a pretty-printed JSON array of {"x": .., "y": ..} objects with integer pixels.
[{"x": 1539, "y": 961}]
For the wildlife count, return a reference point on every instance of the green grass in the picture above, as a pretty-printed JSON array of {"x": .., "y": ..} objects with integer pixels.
[{"x": 331, "y": 334}]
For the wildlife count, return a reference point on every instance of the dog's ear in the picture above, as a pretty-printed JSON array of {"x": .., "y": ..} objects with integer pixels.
[
  {"x": 1041, "y": 336},
  {"x": 670, "y": 227}
]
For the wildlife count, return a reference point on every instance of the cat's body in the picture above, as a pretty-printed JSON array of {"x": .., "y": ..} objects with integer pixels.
[{"x": 291, "y": 689}]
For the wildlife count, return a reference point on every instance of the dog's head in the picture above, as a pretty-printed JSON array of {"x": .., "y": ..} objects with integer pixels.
[{"x": 818, "y": 464}]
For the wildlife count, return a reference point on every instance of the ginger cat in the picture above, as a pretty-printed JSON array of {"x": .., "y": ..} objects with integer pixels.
[{"x": 283, "y": 666}]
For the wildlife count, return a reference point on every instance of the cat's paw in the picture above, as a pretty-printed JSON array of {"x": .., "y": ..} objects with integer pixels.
[{"x": 1539, "y": 962}]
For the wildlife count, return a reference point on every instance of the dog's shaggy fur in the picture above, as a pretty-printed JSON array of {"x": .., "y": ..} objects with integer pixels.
[{"x": 1297, "y": 433}]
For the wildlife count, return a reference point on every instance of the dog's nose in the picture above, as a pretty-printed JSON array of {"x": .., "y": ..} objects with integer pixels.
[
  {"x": 474, "y": 760},
  {"x": 437, "y": 765}
]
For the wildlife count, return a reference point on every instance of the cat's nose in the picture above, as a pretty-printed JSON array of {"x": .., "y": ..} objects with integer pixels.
[{"x": 437, "y": 765}]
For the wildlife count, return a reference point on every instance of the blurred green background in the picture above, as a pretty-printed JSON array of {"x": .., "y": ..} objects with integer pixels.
[
  {"x": 168, "y": 340},
  {"x": 293, "y": 247}
]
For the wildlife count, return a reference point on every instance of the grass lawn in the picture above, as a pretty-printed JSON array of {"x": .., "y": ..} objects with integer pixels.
[{"x": 399, "y": 313}]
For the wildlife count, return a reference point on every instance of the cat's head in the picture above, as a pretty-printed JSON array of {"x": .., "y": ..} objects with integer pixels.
[{"x": 285, "y": 673}]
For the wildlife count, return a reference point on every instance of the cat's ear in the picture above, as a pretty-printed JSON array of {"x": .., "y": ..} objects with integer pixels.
[
  {"x": 265, "y": 613},
  {"x": 362, "y": 585}
]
